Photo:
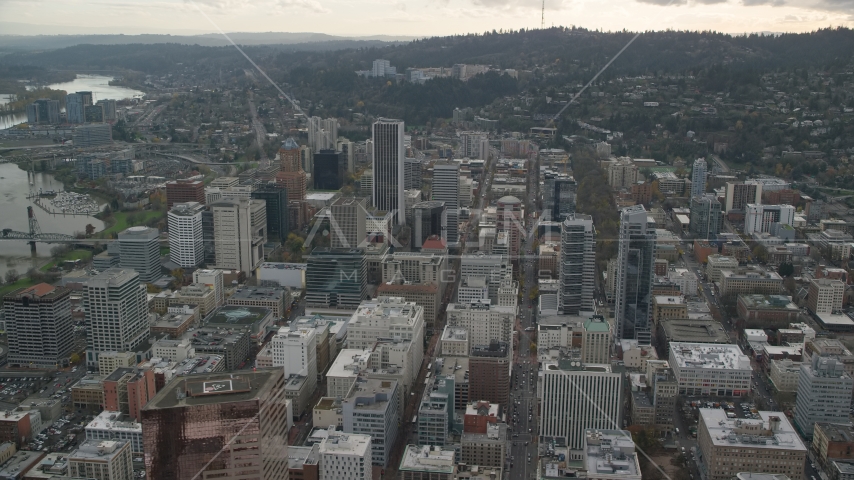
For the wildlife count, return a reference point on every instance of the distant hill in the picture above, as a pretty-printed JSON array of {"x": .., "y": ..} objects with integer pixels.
[{"x": 310, "y": 40}]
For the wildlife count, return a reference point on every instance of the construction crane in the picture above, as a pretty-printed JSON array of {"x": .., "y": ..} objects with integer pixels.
[{"x": 35, "y": 234}]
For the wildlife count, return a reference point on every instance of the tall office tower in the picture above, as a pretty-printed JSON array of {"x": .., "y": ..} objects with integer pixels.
[
  {"x": 390, "y": 318},
  {"x": 348, "y": 148},
  {"x": 139, "y": 249},
  {"x": 93, "y": 113},
  {"x": 347, "y": 222},
  {"x": 740, "y": 194},
  {"x": 698, "y": 178},
  {"x": 387, "y": 165},
  {"x": 564, "y": 197},
  {"x": 412, "y": 175},
  {"x": 240, "y": 232},
  {"x": 575, "y": 397},
  {"x": 492, "y": 267},
  {"x": 336, "y": 277},
  {"x": 275, "y": 196},
  {"x": 183, "y": 191},
  {"x": 39, "y": 328},
  {"x": 87, "y": 97},
  {"x": 577, "y": 270},
  {"x": 436, "y": 411},
  {"x": 110, "y": 112},
  {"x": 824, "y": 394},
  {"x": 295, "y": 351},
  {"x": 345, "y": 456},
  {"x": 635, "y": 274},
  {"x": 483, "y": 321},
  {"x": 765, "y": 218},
  {"x": 596, "y": 340},
  {"x": 372, "y": 408},
  {"x": 489, "y": 372},
  {"x": 74, "y": 107},
  {"x": 330, "y": 168},
  {"x": 322, "y": 133},
  {"x": 474, "y": 145},
  {"x": 43, "y": 110},
  {"x": 116, "y": 307},
  {"x": 622, "y": 174},
  {"x": 705, "y": 216},
  {"x": 186, "y": 243},
  {"x": 382, "y": 68},
  {"x": 219, "y": 425},
  {"x": 293, "y": 177},
  {"x": 428, "y": 218},
  {"x": 208, "y": 236},
  {"x": 446, "y": 188},
  {"x": 825, "y": 296},
  {"x": 510, "y": 218}
]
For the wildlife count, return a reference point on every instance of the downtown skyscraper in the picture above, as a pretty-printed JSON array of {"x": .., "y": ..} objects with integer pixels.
[
  {"x": 698, "y": 177},
  {"x": 577, "y": 264},
  {"x": 388, "y": 157},
  {"x": 635, "y": 273},
  {"x": 446, "y": 188}
]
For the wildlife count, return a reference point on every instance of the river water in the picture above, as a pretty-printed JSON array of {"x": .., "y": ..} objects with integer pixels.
[
  {"x": 14, "y": 187},
  {"x": 99, "y": 85}
]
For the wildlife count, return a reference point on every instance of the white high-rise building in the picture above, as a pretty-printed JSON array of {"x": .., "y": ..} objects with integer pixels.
[
  {"x": 240, "y": 232},
  {"x": 390, "y": 318},
  {"x": 824, "y": 394},
  {"x": 446, "y": 188},
  {"x": 39, "y": 327},
  {"x": 295, "y": 350},
  {"x": 387, "y": 165},
  {"x": 575, "y": 397},
  {"x": 474, "y": 145},
  {"x": 635, "y": 274},
  {"x": 116, "y": 308},
  {"x": 596, "y": 341},
  {"x": 186, "y": 241},
  {"x": 322, "y": 134},
  {"x": 213, "y": 280},
  {"x": 139, "y": 249},
  {"x": 345, "y": 456},
  {"x": 577, "y": 268},
  {"x": 698, "y": 178},
  {"x": 483, "y": 321},
  {"x": 493, "y": 268},
  {"x": 761, "y": 218}
]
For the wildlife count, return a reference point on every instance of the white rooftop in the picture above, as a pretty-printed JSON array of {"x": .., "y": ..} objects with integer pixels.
[
  {"x": 708, "y": 355},
  {"x": 348, "y": 362},
  {"x": 758, "y": 433}
]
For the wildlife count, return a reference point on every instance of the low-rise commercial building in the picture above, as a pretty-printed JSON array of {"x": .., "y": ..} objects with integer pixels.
[
  {"x": 710, "y": 369},
  {"x": 766, "y": 311},
  {"x": 728, "y": 446},
  {"x": 610, "y": 455}
]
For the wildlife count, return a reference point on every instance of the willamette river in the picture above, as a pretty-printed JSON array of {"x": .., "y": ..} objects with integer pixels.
[
  {"x": 99, "y": 85},
  {"x": 14, "y": 187}
]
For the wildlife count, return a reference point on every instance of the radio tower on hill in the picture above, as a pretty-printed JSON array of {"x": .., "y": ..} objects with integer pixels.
[{"x": 543, "y": 16}]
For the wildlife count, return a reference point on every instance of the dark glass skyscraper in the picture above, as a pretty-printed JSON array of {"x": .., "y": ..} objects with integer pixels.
[
  {"x": 276, "y": 196},
  {"x": 330, "y": 167},
  {"x": 389, "y": 153},
  {"x": 635, "y": 273},
  {"x": 336, "y": 277},
  {"x": 218, "y": 426}
]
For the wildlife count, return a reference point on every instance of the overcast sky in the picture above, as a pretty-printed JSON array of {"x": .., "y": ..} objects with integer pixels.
[{"x": 423, "y": 17}]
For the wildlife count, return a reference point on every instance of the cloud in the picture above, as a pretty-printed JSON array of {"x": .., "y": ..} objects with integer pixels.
[
  {"x": 266, "y": 5},
  {"x": 310, "y": 5},
  {"x": 821, "y": 5}
]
